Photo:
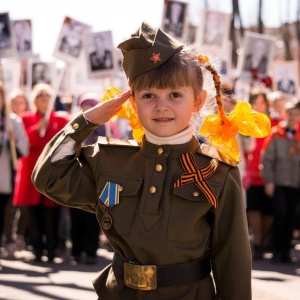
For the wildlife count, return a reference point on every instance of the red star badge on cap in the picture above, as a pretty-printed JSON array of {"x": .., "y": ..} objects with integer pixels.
[{"x": 155, "y": 57}]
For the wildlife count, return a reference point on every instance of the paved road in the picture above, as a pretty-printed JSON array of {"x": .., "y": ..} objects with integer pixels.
[{"x": 63, "y": 280}]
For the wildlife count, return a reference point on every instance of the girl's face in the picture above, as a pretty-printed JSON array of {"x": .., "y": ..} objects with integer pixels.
[{"x": 165, "y": 112}]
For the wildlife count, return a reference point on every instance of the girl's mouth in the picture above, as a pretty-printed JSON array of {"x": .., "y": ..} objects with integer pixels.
[{"x": 162, "y": 120}]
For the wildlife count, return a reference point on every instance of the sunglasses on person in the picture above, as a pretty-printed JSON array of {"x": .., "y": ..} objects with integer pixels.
[{"x": 40, "y": 95}]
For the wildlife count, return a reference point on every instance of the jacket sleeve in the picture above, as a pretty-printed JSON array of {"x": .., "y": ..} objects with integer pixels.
[
  {"x": 230, "y": 247},
  {"x": 69, "y": 181}
]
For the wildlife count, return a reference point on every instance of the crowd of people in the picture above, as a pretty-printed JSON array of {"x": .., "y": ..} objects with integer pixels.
[
  {"x": 21, "y": 204},
  {"x": 28, "y": 220},
  {"x": 67, "y": 169},
  {"x": 269, "y": 169}
]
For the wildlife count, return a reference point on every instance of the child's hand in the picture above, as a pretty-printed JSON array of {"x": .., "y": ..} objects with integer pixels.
[{"x": 103, "y": 112}]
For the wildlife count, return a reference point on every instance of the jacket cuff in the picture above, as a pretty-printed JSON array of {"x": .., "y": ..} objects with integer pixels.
[{"x": 79, "y": 128}]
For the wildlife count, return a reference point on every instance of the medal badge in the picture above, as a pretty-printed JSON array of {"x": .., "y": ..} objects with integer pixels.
[{"x": 109, "y": 198}]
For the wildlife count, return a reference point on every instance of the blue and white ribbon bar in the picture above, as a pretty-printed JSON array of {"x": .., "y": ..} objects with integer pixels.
[{"x": 110, "y": 194}]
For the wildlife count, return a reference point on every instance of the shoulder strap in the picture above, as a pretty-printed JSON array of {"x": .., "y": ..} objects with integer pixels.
[{"x": 116, "y": 142}]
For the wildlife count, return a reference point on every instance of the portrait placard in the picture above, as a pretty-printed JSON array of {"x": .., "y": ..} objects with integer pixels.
[
  {"x": 214, "y": 30},
  {"x": 69, "y": 45},
  {"x": 221, "y": 60},
  {"x": 175, "y": 19},
  {"x": 100, "y": 54},
  {"x": 41, "y": 72},
  {"x": 22, "y": 32},
  {"x": 7, "y": 41},
  {"x": 256, "y": 57},
  {"x": 10, "y": 73},
  {"x": 66, "y": 87},
  {"x": 286, "y": 77}
]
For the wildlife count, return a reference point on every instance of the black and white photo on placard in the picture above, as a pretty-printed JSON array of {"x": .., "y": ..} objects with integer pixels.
[
  {"x": 7, "y": 41},
  {"x": 175, "y": 19},
  {"x": 213, "y": 31},
  {"x": 69, "y": 45},
  {"x": 22, "y": 31},
  {"x": 256, "y": 56},
  {"x": 41, "y": 72},
  {"x": 100, "y": 54},
  {"x": 286, "y": 77}
]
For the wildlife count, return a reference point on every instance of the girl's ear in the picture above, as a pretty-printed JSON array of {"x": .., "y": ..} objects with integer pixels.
[{"x": 199, "y": 101}]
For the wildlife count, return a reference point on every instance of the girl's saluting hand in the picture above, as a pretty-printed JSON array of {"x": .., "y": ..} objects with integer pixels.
[{"x": 104, "y": 111}]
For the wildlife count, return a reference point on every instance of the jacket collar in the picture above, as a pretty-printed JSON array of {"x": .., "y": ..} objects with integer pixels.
[{"x": 152, "y": 150}]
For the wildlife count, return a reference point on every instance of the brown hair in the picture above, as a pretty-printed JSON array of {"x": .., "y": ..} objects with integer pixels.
[{"x": 182, "y": 69}]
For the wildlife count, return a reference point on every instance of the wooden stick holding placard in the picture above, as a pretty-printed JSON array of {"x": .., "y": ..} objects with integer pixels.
[
  {"x": 8, "y": 126},
  {"x": 53, "y": 97}
]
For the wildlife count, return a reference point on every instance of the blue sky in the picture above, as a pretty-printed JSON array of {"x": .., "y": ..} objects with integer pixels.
[{"x": 124, "y": 16}]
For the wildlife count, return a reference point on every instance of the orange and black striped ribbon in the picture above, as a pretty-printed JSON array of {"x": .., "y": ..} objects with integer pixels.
[{"x": 197, "y": 175}]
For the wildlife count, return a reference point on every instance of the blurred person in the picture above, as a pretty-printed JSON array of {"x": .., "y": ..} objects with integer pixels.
[
  {"x": 19, "y": 102},
  {"x": 259, "y": 204},
  {"x": 17, "y": 133},
  {"x": 281, "y": 173},
  {"x": 16, "y": 220},
  {"x": 277, "y": 101},
  {"x": 43, "y": 212}
]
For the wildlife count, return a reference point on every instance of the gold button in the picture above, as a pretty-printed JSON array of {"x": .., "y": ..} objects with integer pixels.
[
  {"x": 152, "y": 189},
  {"x": 75, "y": 126},
  {"x": 160, "y": 151},
  {"x": 158, "y": 168},
  {"x": 196, "y": 194}
]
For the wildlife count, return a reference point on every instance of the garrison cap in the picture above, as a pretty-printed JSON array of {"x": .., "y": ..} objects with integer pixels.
[{"x": 146, "y": 50}]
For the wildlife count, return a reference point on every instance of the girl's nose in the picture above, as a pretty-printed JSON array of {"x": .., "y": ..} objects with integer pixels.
[{"x": 161, "y": 104}]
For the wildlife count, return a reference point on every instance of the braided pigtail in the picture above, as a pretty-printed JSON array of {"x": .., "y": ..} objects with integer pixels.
[
  {"x": 216, "y": 78},
  {"x": 221, "y": 129}
]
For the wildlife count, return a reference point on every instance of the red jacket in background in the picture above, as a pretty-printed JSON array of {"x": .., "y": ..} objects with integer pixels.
[
  {"x": 253, "y": 161},
  {"x": 25, "y": 193}
]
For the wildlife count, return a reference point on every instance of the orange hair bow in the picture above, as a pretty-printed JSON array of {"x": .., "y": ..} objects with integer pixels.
[
  {"x": 241, "y": 120},
  {"x": 127, "y": 112}
]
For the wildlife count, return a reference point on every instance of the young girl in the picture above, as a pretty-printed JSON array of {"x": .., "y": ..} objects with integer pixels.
[{"x": 171, "y": 213}]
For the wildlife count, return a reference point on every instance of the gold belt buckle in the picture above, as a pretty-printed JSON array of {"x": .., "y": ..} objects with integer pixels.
[{"x": 140, "y": 277}]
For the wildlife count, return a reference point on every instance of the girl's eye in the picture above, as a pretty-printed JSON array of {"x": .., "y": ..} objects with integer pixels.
[
  {"x": 148, "y": 96},
  {"x": 175, "y": 95}
]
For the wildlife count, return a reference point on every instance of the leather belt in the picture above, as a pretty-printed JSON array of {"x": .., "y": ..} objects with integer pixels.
[{"x": 149, "y": 277}]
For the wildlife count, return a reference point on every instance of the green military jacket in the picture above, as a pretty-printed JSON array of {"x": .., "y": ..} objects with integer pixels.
[{"x": 154, "y": 222}]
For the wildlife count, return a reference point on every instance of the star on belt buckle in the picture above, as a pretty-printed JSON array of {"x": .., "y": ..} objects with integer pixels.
[{"x": 140, "y": 277}]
